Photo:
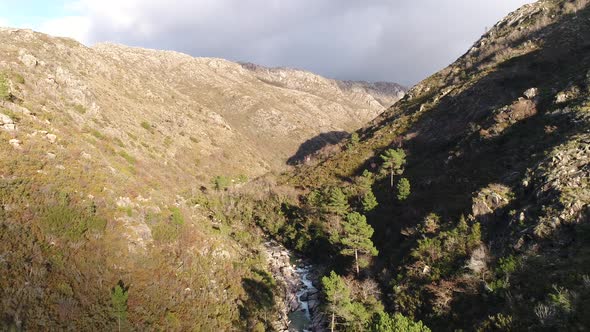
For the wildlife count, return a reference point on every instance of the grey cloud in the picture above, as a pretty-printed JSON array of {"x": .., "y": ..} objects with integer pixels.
[{"x": 375, "y": 40}]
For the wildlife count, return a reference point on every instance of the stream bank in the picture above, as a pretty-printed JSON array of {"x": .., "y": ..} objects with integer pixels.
[{"x": 299, "y": 309}]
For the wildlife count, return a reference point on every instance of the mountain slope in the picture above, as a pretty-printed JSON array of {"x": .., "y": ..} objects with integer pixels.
[
  {"x": 500, "y": 137},
  {"x": 107, "y": 153},
  {"x": 209, "y": 111}
]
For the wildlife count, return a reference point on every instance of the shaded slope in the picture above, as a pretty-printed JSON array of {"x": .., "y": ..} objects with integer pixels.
[{"x": 500, "y": 136}]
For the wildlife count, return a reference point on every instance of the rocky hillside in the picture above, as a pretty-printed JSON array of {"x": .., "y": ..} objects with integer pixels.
[
  {"x": 363, "y": 93},
  {"x": 107, "y": 155},
  {"x": 178, "y": 110},
  {"x": 486, "y": 225}
]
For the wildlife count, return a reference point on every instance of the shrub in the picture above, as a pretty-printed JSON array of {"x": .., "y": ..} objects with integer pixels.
[
  {"x": 62, "y": 220},
  {"x": 147, "y": 126},
  {"x": 80, "y": 109},
  {"x": 221, "y": 182},
  {"x": 4, "y": 88},
  {"x": 19, "y": 78},
  {"x": 130, "y": 159}
]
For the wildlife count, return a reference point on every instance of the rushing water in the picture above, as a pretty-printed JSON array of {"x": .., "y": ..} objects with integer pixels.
[{"x": 301, "y": 318}]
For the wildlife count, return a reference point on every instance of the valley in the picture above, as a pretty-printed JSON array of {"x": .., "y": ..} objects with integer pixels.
[{"x": 145, "y": 190}]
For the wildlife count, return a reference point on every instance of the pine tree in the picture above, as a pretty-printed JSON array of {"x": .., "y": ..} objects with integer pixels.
[
  {"x": 337, "y": 202},
  {"x": 357, "y": 238},
  {"x": 119, "y": 297},
  {"x": 403, "y": 189},
  {"x": 364, "y": 182},
  {"x": 394, "y": 161},
  {"x": 369, "y": 201},
  {"x": 337, "y": 296}
]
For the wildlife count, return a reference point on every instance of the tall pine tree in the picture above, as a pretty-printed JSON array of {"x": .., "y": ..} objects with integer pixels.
[
  {"x": 338, "y": 300},
  {"x": 394, "y": 161},
  {"x": 357, "y": 238}
]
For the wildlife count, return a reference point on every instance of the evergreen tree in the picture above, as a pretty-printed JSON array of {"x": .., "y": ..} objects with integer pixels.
[
  {"x": 369, "y": 201},
  {"x": 403, "y": 189},
  {"x": 337, "y": 202},
  {"x": 394, "y": 161},
  {"x": 119, "y": 297},
  {"x": 338, "y": 300},
  {"x": 364, "y": 182},
  {"x": 357, "y": 238}
]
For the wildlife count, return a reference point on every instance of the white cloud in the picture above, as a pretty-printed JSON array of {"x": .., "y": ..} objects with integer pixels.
[
  {"x": 77, "y": 27},
  {"x": 372, "y": 39}
]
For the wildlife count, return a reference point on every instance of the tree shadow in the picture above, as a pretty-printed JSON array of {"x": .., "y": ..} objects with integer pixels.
[
  {"x": 260, "y": 291},
  {"x": 315, "y": 144}
]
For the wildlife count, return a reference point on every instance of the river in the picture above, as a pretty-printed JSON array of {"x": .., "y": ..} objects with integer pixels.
[{"x": 299, "y": 310}]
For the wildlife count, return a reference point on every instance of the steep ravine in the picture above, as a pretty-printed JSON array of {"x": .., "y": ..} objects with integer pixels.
[{"x": 298, "y": 280}]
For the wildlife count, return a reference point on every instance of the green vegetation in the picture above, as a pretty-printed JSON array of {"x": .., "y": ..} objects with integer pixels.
[
  {"x": 338, "y": 301},
  {"x": 4, "y": 87},
  {"x": 356, "y": 238},
  {"x": 80, "y": 109},
  {"x": 18, "y": 78},
  {"x": 394, "y": 161},
  {"x": 337, "y": 202},
  {"x": 403, "y": 189},
  {"x": 369, "y": 201},
  {"x": 221, "y": 182},
  {"x": 382, "y": 322},
  {"x": 119, "y": 298},
  {"x": 147, "y": 126},
  {"x": 65, "y": 221},
  {"x": 354, "y": 140},
  {"x": 129, "y": 158}
]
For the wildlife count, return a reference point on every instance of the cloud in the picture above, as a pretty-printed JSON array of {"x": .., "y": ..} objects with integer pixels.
[
  {"x": 374, "y": 40},
  {"x": 76, "y": 27}
]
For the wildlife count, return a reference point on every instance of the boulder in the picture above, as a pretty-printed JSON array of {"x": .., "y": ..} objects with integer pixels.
[
  {"x": 5, "y": 119},
  {"x": 27, "y": 59},
  {"x": 15, "y": 143},
  {"x": 51, "y": 138},
  {"x": 531, "y": 93}
]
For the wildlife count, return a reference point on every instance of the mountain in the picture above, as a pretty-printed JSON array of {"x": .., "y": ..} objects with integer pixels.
[
  {"x": 208, "y": 111},
  {"x": 494, "y": 232},
  {"x": 107, "y": 155},
  {"x": 464, "y": 206}
]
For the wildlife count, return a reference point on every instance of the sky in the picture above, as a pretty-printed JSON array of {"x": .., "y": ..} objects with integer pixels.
[{"x": 401, "y": 41}]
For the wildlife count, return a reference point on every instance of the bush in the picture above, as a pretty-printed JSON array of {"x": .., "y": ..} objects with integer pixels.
[
  {"x": 4, "y": 88},
  {"x": 64, "y": 221},
  {"x": 221, "y": 182}
]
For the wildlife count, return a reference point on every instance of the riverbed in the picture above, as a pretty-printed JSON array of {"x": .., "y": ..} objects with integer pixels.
[{"x": 300, "y": 308}]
